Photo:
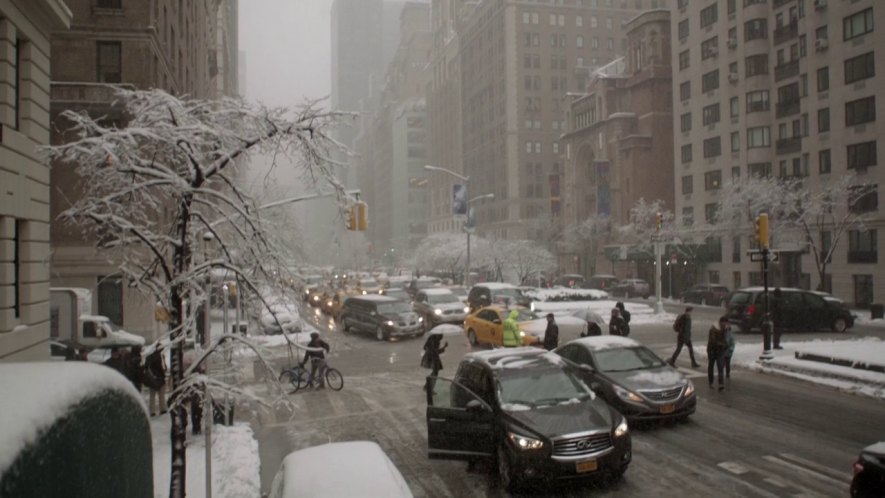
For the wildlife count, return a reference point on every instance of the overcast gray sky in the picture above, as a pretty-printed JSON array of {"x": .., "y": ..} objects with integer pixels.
[{"x": 287, "y": 46}]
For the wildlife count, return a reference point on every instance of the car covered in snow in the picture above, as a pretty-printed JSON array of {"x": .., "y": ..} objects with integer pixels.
[
  {"x": 279, "y": 317},
  {"x": 345, "y": 469},
  {"x": 528, "y": 411},
  {"x": 497, "y": 293},
  {"x": 631, "y": 377}
]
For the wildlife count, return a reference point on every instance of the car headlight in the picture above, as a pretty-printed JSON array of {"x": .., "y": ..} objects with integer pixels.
[
  {"x": 525, "y": 442},
  {"x": 420, "y": 319},
  {"x": 306, "y": 292},
  {"x": 622, "y": 429},
  {"x": 467, "y": 309},
  {"x": 389, "y": 323},
  {"x": 437, "y": 311},
  {"x": 328, "y": 303},
  {"x": 364, "y": 293},
  {"x": 521, "y": 333},
  {"x": 316, "y": 298},
  {"x": 627, "y": 395},
  {"x": 689, "y": 388}
]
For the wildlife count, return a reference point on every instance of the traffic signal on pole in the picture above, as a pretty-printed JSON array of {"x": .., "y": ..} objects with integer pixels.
[
  {"x": 659, "y": 222},
  {"x": 350, "y": 218},
  {"x": 762, "y": 230},
  {"x": 362, "y": 216}
]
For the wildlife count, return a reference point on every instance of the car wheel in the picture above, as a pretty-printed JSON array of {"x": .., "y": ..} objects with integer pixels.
[
  {"x": 380, "y": 335},
  {"x": 471, "y": 336},
  {"x": 840, "y": 325},
  {"x": 703, "y": 301},
  {"x": 505, "y": 472}
]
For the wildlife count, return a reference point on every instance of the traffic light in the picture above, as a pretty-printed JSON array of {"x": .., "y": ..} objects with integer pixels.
[
  {"x": 762, "y": 230},
  {"x": 350, "y": 220},
  {"x": 362, "y": 216},
  {"x": 659, "y": 222}
]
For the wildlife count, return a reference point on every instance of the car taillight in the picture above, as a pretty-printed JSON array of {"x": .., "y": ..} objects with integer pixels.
[
  {"x": 857, "y": 467},
  {"x": 751, "y": 309}
]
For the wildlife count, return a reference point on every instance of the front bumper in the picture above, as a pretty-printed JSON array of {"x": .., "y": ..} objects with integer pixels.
[
  {"x": 399, "y": 331},
  {"x": 531, "y": 465},
  {"x": 682, "y": 407}
]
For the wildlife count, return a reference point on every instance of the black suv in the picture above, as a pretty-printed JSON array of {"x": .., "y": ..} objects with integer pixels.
[
  {"x": 530, "y": 412},
  {"x": 798, "y": 310},
  {"x": 384, "y": 316}
]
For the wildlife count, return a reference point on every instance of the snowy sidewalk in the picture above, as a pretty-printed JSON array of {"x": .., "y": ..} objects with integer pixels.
[{"x": 235, "y": 462}]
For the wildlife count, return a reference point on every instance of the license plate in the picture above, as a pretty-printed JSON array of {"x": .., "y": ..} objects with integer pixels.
[
  {"x": 585, "y": 466},
  {"x": 668, "y": 408}
]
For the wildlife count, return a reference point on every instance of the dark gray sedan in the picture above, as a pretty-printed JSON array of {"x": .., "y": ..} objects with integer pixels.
[{"x": 631, "y": 378}]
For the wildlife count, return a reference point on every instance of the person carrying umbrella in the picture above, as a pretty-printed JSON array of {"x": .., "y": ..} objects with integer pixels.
[{"x": 433, "y": 347}]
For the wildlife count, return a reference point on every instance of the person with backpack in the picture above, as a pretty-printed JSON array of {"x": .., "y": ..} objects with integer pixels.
[
  {"x": 682, "y": 327},
  {"x": 626, "y": 316},
  {"x": 717, "y": 345}
]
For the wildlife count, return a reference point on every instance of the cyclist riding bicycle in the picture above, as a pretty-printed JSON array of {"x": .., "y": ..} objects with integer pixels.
[{"x": 317, "y": 358}]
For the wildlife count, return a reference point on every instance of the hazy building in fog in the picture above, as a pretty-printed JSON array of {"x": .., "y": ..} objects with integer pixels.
[
  {"x": 185, "y": 48},
  {"x": 518, "y": 62},
  {"x": 25, "y": 27},
  {"x": 619, "y": 143},
  {"x": 787, "y": 89}
]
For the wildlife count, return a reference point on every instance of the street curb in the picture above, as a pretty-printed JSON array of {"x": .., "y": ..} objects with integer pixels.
[
  {"x": 859, "y": 365},
  {"x": 767, "y": 367}
]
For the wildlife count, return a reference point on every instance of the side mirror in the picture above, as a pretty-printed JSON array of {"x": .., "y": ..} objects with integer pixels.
[
  {"x": 497, "y": 321},
  {"x": 474, "y": 406}
]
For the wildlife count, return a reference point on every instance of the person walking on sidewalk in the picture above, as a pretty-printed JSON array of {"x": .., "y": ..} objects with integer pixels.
[
  {"x": 682, "y": 327},
  {"x": 616, "y": 324},
  {"x": 433, "y": 347},
  {"x": 717, "y": 345},
  {"x": 551, "y": 334},
  {"x": 626, "y": 316}
]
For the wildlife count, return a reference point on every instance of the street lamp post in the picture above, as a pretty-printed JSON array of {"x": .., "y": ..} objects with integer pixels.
[{"x": 467, "y": 228}]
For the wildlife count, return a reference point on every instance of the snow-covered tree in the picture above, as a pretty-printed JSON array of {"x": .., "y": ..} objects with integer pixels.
[
  {"x": 442, "y": 252},
  {"x": 153, "y": 188},
  {"x": 527, "y": 259},
  {"x": 798, "y": 212},
  {"x": 588, "y": 237},
  {"x": 643, "y": 220}
]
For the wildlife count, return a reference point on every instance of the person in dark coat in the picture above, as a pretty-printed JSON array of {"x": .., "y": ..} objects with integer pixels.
[
  {"x": 682, "y": 327},
  {"x": 717, "y": 347},
  {"x": 616, "y": 324},
  {"x": 133, "y": 367},
  {"x": 551, "y": 334},
  {"x": 117, "y": 361},
  {"x": 155, "y": 380},
  {"x": 626, "y": 316},
  {"x": 776, "y": 307},
  {"x": 317, "y": 359},
  {"x": 433, "y": 347}
]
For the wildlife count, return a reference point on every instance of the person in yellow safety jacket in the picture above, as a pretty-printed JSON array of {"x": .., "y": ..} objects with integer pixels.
[{"x": 510, "y": 336}]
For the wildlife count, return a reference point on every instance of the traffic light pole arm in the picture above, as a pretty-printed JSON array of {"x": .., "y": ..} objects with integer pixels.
[{"x": 284, "y": 202}]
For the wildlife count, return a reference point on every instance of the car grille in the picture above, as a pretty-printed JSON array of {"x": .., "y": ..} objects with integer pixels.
[
  {"x": 452, "y": 312},
  {"x": 582, "y": 445},
  {"x": 663, "y": 395}
]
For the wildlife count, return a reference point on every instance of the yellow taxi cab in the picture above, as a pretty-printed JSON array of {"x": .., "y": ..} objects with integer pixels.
[{"x": 486, "y": 326}]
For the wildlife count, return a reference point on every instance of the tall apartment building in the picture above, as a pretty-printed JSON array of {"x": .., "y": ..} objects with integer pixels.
[
  {"x": 789, "y": 87},
  {"x": 619, "y": 147},
  {"x": 25, "y": 27},
  {"x": 443, "y": 93},
  {"x": 392, "y": 145},
  {"x": 519, "y": 60},
  {"x": 185, "y": 48}
]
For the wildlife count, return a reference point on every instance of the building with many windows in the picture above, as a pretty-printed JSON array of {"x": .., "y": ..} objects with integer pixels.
[
  {"x": 518, "y": 62},
  {"x": 784, "y": 88},
  {"x": 25, "y": 27}
]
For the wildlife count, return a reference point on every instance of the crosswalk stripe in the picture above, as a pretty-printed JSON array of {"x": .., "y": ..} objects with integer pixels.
[
  {"x": 844, "y": 478},
  {"x": 733, "y": 467},
  {"x": 803, "y": 470}
]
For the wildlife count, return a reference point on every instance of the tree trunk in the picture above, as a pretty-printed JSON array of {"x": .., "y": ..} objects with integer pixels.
[{"x": 178, "y": 433}]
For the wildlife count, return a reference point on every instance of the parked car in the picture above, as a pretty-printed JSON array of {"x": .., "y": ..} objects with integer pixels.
[
  {"x": 631, "y": 378},
  {"x": 630, "y": 287},
  {"x": 704, "y": 294},
  {"x": 869, "y": 472},
  {"x": 601, "y": 282},
  {"x": 438, "y": 306},
  {"x": 571, "y": 280},
  {"x": 286, "y": 317},
  {"x": 384, "y": 316},
  {"x": 316, "y": 472},
  {"x": 486, "y": 326},
  {"x": 528, "y": 411},
  {"x": 800, "y": 310},
  {"x": 489, "y": 293}
]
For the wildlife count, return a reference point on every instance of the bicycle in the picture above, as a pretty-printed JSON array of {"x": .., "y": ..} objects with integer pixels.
[{"x": 299, "y": 378}]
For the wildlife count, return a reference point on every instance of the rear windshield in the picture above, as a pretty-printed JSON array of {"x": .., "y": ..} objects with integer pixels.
[
  {"x": 442, "y": 298},
  {"x": 740, "y": 298},
  {"x": 394, "y": 308}
]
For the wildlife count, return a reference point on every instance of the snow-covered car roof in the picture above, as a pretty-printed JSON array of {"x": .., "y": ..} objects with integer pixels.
[
  {"x": 524, "y": 356},
  {"x": 316, "y": 472},
  {"x": 496, "y": 285},
  {"x": 602, "y": 342},
  {"x": 436, "y": 291},
  {"x": 759, "y": 288},
  {"x": 380, "y": 298}
]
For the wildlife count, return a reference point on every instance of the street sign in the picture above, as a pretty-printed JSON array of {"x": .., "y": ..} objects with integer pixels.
[{"x": 757, "y": 256}]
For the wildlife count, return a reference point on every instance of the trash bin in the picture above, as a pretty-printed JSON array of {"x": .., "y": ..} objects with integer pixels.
[{"x": 877, "y": 311}]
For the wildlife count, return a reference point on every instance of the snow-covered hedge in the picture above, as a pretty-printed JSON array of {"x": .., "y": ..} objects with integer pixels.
[{"x": 565, "y": 294}]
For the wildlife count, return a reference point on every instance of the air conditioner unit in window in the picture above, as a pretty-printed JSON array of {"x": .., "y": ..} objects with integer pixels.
[
  {"x": 732, "y": 43},
  {"x": 820, "y": 4},
  {"x": 821, "y": 44},
  {"x": 733, "y": 77}
]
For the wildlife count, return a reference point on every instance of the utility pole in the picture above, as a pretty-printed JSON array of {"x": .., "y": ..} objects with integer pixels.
[
  {"x": 658, "y": 247},
  {"x": 767, "y": 325}
]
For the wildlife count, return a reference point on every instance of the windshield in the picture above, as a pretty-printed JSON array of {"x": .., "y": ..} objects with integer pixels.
[
  {"x": 458, "y": 291},
  {"x": 368, "y": 283},
  {"x": 424, "y": 284},
  {"x": 626, "y": 359},
  {"x": 511, "y": 293},
  {"x": 393, "y": 308},
  {"x": 398, "y": 294},
  {"x": 314, "y": 279},
  {"x": 539, "y": 387},
  {"x": 441, "y": 298},
  {"x": 740, "y": 298}
]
